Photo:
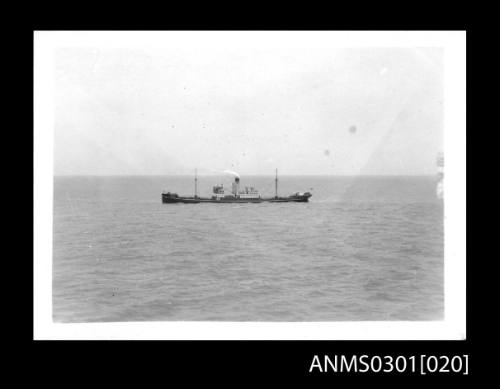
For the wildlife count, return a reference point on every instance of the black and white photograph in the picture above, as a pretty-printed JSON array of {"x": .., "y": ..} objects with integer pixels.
[{"x": 240, "y": 178}]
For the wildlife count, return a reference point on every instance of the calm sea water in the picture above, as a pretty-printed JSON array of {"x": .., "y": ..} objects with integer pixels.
[{"x": 363, "y": 248}]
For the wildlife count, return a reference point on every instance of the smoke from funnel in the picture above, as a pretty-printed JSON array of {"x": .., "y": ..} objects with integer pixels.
[{"x": 233, "y": 173}]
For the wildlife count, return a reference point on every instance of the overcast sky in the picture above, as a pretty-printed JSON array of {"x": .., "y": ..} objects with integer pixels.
[{"x": 303, "y": 111}]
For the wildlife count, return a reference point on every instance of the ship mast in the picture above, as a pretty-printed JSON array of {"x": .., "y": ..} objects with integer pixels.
[
  {"x": 276, "y": 184},
  {"x": 195, "y": 183}
]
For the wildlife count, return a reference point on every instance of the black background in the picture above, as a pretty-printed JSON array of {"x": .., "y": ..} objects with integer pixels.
[{"x": 232, "y": 363}]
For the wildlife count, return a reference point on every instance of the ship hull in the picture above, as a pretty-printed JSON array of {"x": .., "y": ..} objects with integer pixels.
[{"x": 167, "y": 199}]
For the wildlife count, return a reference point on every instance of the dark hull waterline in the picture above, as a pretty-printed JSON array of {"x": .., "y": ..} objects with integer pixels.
[{"x": 192, "y": 200}]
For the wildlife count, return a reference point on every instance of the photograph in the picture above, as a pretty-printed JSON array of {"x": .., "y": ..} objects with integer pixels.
[{"x": 236, "y": 176}]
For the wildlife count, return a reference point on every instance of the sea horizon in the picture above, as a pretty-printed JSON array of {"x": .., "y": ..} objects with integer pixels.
[{"x": 247, "y": 175}]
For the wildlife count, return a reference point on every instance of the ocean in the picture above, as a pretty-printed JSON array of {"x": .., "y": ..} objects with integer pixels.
[{"x": 363, "y": 248}]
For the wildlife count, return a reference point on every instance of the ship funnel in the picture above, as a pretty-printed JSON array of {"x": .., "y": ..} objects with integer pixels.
[{"x": 236, "y": 185}]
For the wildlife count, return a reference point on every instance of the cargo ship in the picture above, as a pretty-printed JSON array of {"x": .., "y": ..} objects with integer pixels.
[{"x": 236, "y": 195}]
